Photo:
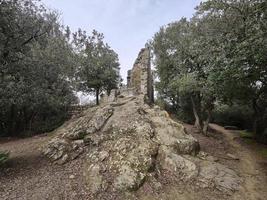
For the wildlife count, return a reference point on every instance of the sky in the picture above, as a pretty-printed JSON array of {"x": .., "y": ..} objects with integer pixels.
[{"x": 126, "y": 24}]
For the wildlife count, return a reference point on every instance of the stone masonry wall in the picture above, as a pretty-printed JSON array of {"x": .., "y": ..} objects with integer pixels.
[
  {"x": 139, "y": 80},
  {"x": 140, "y": 76}
]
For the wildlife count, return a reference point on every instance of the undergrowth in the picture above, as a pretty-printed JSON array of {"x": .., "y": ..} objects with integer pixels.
[{"x": 3, "y": 157}]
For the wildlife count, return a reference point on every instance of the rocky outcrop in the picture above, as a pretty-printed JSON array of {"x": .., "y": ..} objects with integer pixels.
[
  {"x": 128, "y": 141},
  {"x": 70, "y": 141}
]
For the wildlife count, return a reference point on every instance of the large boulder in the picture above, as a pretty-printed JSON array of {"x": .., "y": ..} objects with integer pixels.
[
  {"x": 89, "y": 124},
  {"x": 62, "y": 150},
  {"x": 177, "y": 164},
  {"x": 170, "y": 133},
  {"x": 69, "y": 142}
]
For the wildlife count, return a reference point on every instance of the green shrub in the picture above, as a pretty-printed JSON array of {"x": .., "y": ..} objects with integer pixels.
[
  {"x": 235, "y": 115},
  {"x": 262, "y": 138},
  {"x": 263, "y": 152},
  {"x": 3, "y": 157},
  {"x": 183, "y": 112},
  {"x": 247, "y": 134}
]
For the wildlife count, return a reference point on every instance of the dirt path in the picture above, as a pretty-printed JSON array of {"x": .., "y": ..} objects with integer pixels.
[
  {"x": 254, "y": 187},
  {"x": 28, "y": 175}
]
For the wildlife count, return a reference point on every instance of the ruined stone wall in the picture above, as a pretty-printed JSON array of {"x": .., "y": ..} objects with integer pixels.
[
  {"x": 141, "y": 79},
  {"x": 129, "y": 78}
]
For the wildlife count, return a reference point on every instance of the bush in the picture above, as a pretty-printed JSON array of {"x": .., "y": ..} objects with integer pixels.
[
  {"x": 262, "y": 138},
  {"x": 247, "y": 134},
  {"x": 3, "y": 157},
  {"x": 182, "y": 109},
  {"x": 183, "y": 112},
  {"x": 236, "y": 115}
]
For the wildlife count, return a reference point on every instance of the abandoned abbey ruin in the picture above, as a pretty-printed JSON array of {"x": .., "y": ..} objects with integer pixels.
[{"x": 128, "y": 143}]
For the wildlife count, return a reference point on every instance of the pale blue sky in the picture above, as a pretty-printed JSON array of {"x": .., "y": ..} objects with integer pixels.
[{"x": 126, "y": 24}]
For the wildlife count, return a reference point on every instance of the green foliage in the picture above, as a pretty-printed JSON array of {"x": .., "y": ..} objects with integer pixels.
[
  {"x": 239, "y": 60},
  {"x": 99, "y": 66},
  {"x": 217, "y": 56},
  {"x": 240, "y": 64},
  {"x": 263, "y": 152},
  {"x": 237, "y": 115},
  {"x": 36, "y": 61},
  {"x": 186, "y": 84},
  {"x": 184, "y": 77},
  {"x": 3, "y": 157},
  {"x": 42, "y": 65},
  {"x": 247, "y": 134}
]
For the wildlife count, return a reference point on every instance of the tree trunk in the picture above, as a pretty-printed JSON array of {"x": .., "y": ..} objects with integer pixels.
[
  {"x": 25, "y": 118},
  {"x": 97, "y": 96},
  {"x": 31, "y": 121},
  {"x": 197, "y": 119},
  {"x": 108, "y": 92},
  {"x": 11, "y": 120},
  {"x": 259, "y": 124},
  {"x": 206, "y": 123},
  {"x": 255, "y": 116}
]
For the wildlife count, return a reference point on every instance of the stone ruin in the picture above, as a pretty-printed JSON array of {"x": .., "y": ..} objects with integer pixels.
[
  {"x": 139, "y": 80},
  {"x": 128, "y": 142}
]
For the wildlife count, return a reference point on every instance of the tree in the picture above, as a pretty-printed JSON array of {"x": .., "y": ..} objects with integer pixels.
[
  {"x": 182, "y": 71},
  {"x": 238, "y": 30},
  {"x": 218, "y": 56},
  {"x": 35, "y": 63},
  {"x": 22, "y": 22},
  {"x": 99, "y": 66}
]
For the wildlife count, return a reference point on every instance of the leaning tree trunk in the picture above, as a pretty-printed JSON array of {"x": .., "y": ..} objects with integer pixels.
[
  {"x": 258, "y": 122},
  {"x": 197, "y": 118},
  {"x": 255, "y": 117},
  {"x": 97, "y": 96},
  {"x": 12, "y": 120},
  {"x": 206, "y": 123}
]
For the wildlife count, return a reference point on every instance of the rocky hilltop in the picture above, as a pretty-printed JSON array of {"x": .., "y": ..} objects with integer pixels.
[{"x": 128, "y": 143}]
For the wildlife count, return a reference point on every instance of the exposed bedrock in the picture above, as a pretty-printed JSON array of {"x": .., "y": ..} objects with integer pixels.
[{"x": 127, "y": 141}]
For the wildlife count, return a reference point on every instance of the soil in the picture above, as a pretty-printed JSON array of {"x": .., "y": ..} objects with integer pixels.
[
  {"x": 250, "y": 166},
  {"x": 29, "y": 175}
]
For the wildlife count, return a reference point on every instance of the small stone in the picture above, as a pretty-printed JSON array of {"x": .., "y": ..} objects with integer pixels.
[
  {"x": 212, "y": 158},
  {"x": 180, "y": 191},
  {"x": 103, "y": 155},
  {"x": 202, "y": 155},
  {"x": 156, "y": 184},
  {"x": 72, "y": 176},
  {"x": 63, "y": 160},
  {"x": 232, "y": 156}
]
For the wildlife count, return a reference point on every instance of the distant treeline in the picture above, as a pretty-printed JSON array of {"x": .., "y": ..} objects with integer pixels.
[
  {"x": 41, "y": 65},
  {"x": 214, "y": 66}
]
